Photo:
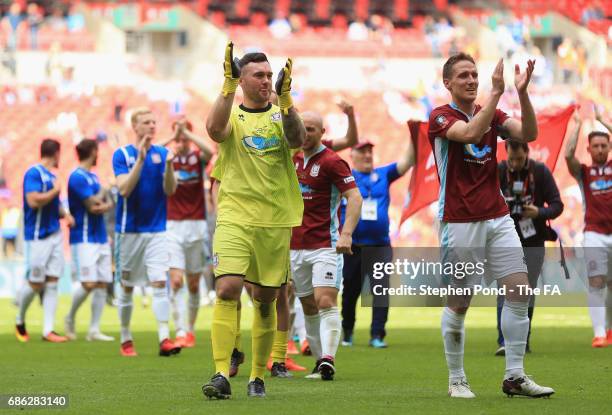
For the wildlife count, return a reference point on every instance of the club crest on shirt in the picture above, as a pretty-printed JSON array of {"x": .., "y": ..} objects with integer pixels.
[
  {"x": 441, "y": 120},
  {"x": 215, "y": 260},
  {"x": 275, "y": 117},
  {"x": 314, "y": 172},
  {"x": 156, "y": 158}
]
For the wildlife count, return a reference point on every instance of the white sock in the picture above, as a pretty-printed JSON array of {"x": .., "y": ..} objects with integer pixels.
[
  {"x": 330, "y": 331},
  {"x": 49, "y": 307},
  {"x": 97, "y": 306},
  {"x": 515, "y": 326},
  {"x": 125, "y": 306},
  {"x": 78, "y": 297},
  {"x": 313, "y": 327},
  {"x": 609, "y": 309},
  {"x": 194, "y": 307},
  {"x": 299, "y": 325},
  {"x": 25, "y": 299},
  {"x": 597, "y": 310},
  {"x": 177, "y": 304},
  {"x": 453, "y": 335},
  {"x": 161, "y": 309}
]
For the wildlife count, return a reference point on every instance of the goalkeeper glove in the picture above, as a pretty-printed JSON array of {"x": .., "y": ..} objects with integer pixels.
[
  {"x": 231, "y": 71},
  {"x": 283, "y": 87}
]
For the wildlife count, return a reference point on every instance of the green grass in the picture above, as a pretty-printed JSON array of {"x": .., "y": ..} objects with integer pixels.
[{"x": 408, "y": 377}]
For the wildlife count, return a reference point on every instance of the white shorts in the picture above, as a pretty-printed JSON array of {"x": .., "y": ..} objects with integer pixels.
[
  {"x": 494, "y": 243},
  {"x": 597, "y": 250},
  {"x": 315, "y": 268},
  {"x": 141, "y": 258},
  {"x": 91, "y": 262},
  {"x": 187, "y": 240},
  {"x": 44, "y": 257}
]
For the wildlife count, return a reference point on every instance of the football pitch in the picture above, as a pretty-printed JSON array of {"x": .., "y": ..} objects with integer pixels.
[{"x": 408, "y": 377}]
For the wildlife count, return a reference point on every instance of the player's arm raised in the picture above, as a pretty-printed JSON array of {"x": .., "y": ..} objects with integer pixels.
[
  {"x": 352, "y": 134},
  {"x": 127, "y": 182},
  {"x": 205, "y": 150},
  {"x": 217, "y": 124},
  {"x": 353, "y": 212},
  {"x": 599, "y": 118},
  {"x": 292, "y": 124},
  {"x": 169, "y": 177},
  {"x": 525, "y": 130},
  {"x": 573, "y": 165},
  {"x": 408, "y": 158},
  {"x": 472, "y": 132},
  {"x": 175, "y": 133}
]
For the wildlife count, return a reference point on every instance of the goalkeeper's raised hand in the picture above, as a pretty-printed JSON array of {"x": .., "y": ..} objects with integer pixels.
[
  {"x": 231, "y": 71},
  {"x": 283, "y": 87}
]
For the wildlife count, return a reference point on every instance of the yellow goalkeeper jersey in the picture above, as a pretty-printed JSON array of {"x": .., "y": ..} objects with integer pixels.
[{"x": 259, "y": 186}]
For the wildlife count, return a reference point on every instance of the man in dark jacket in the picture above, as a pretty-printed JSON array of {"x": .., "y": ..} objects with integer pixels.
[{"x": 533, "y": 198}]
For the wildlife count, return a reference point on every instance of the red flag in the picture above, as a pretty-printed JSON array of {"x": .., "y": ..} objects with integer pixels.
[
  {"x": 551, "y": 131},
  {"x": 424, "y": 185}
]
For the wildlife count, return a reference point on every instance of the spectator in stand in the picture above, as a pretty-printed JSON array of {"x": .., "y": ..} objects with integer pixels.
[
  {"x": 358, "y": 31},
  {"x": 57, "y": 21},
  {"x": 567, "y": 60},
  {"x": 594, "y": 12},
  {"x": 10, "y": 23},
  {"x": 280, "y": 27},
  {"x": 34, "y": 18}
]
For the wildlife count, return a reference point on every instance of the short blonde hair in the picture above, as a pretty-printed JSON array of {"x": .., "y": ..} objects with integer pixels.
[{"x": 137, "y": 112}]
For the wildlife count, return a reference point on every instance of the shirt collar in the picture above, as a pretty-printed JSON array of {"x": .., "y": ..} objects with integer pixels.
[{"x": 455, "y": 107}]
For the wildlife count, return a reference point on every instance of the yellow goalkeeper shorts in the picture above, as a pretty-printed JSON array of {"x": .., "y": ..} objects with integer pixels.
[{"x": 260, "y": 254}]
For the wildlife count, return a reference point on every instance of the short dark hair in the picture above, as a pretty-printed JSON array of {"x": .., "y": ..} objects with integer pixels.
[
  {"x": 252, "y": 57},
  {"x": 49, "y": 147},
  {"x": 598, "y": 133},
  {"x": 85, "y": 148},
  {"x": 515, "y": 145},
  {"x": 447, "y": 69}
]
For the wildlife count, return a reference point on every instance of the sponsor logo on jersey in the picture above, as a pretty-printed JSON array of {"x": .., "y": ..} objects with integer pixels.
[
  {"x": 275, "y": 117},
  {"x": 304, "y": 188},
  {"x": 241, "y": 117},
  {"x": 314, "y": 172},
  {"x": 349, "y": 179},
  {"x": 593, "y": 172},
  {"x": 193, "y": 160},
  {"x": 156, "y": 158},
  {"x": 329, "y": 275},
  {"x": 599, "y": 185},
  {"x": 261, "y": 143},
  {"x": 475, "y": 151},
  {"x": 215, "y": 260},
  {"x": 184, "y": 176}
]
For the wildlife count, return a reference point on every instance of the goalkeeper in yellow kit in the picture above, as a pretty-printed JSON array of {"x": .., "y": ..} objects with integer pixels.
[{"x": 259, "y": 202}]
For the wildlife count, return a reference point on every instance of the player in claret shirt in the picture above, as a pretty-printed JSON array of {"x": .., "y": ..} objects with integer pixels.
[
  {"x": 187, "y": 227},
  {"x": 317, "y": 245},
  {"x": 596, "y": 185},
  {"x": 475, "y": 225}
]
